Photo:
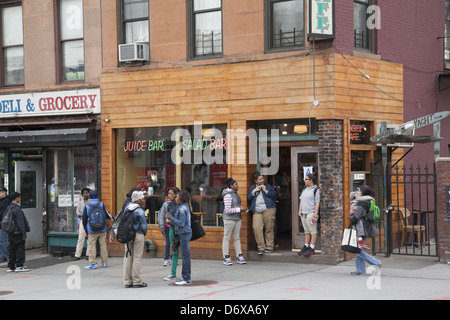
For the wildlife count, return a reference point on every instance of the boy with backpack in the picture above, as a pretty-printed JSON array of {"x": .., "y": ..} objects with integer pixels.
[
  {"x": 308, "y": 211},
  {"x": 131, "y": 231},
  {"x": 94, "y": 222},
  {"x": 16, "y": 225}
]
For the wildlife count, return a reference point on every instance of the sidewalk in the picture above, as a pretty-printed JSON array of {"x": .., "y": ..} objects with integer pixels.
[{"x": 401, "y": 278}]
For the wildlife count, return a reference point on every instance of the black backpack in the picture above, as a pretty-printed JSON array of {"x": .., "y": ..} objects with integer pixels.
[
  {"x": 125, "y": 230},
  {"x": 8, "y": 223},
  {"x": 318, "y": 213}
]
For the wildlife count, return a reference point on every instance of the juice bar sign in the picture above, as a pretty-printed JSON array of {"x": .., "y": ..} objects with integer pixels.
[{"x": 50, "y": 103}]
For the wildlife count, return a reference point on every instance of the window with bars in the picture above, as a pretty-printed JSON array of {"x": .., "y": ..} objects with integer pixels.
[
  {"x": 205, "y": 27},
  {"x": 285, "y": 24},
  {"x": 363, "y": 36}
]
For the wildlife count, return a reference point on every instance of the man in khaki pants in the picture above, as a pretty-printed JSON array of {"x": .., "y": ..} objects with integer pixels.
[
  {"x": 95, "y": 226},
  {"x": 135, "y": 248},
  {"x": 262, "y": 202}
]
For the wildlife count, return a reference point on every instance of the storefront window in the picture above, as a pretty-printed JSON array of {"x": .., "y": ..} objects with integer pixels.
[
  {"x": 146, "y": 158},
  {"x": 292, "y": 128},
  {"x": 3, "y": 159},
  {"x": 359, "y": 132},
  {"x": 68, "y": 171}
]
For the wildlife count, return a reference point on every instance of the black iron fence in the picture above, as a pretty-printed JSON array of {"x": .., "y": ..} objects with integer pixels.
[{"x": 407, "y": 198}]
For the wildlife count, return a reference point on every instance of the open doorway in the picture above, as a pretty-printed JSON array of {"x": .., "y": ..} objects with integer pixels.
[
  {"x": 281, "y": 182},
  {"x": 295, "y": 163}
]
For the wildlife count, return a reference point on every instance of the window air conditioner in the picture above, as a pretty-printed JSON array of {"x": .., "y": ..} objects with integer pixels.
[{"x": 138, "y": 51}]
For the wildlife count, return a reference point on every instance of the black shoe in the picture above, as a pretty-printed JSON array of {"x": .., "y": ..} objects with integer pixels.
[
  {"x": 310, "y": 251},
  {"x": 303, "y": 250},
  {"x": 260, "y": 252},
  {"x": 267, "y": 251},
  {"x": 141, "y": 285}
]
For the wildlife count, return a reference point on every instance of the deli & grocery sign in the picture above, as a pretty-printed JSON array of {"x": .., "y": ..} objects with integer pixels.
[{"x": 50, "y": 103}]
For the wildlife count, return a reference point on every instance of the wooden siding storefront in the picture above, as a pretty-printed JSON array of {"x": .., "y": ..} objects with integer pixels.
[{"x": 240, "y": 95}]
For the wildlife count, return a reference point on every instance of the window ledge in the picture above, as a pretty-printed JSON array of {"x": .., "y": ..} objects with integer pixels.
[{"x": 366, "y": 54}]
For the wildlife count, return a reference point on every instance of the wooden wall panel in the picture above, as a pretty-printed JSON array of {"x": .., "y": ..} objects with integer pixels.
[{"x": 240, "y": 94}]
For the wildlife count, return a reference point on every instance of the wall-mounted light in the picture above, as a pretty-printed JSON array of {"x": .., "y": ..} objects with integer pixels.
[{"x": 300, "y": 128}]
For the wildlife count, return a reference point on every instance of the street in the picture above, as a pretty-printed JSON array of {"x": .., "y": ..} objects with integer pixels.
[{"x": 400, "y": 278}]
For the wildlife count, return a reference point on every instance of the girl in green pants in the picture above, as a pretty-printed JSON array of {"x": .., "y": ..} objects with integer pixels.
[
  {"x": 173, "y": 270},
  {"x": 171, "y": 207}
]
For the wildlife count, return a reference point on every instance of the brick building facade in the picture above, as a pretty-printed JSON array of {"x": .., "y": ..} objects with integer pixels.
[{"x": 258, "y": 68}]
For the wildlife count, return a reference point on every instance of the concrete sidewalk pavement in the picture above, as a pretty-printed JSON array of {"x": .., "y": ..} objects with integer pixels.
[{"x": 400, "y": 278}]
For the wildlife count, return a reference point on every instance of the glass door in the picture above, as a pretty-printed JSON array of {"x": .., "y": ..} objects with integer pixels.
[
  {"x": 29, "y": 183},
  {"x": 68, "y": 172},
  {"x": 304, "y": 160}
]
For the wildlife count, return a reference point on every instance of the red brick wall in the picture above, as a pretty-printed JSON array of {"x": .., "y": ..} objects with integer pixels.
[
  {"x": 331, "y": 186},
  {"x": 408, "y": 35},
  {"x": 443, "y": 180}
]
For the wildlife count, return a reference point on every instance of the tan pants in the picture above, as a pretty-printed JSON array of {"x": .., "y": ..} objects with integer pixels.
[
  {"x": 263, "y": 225},
  {"x": 92, "y": 248},
  {"x": 132, "y": 262},
  {"x": 80, "y": 242}
]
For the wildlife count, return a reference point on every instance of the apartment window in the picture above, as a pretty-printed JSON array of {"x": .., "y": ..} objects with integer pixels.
[
  {"x": 12, "y": 45},
  {"x": 71, "y": 39},
  {"x": 205, "y": 25},
  {"x": 447, "y": 30},
  {"x": 135, "y": 21},
  {"x": 363, "y": 36},
  {"x": 285, "y": 24}
]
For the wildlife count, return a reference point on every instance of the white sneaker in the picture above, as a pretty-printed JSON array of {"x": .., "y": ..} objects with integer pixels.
[
  {"x": 182, "y": 282},
  {"x": 22, "y": 269},
  {"x": 166, "y": 263},
  {"x": 240, "y": 259},
  {"x": 227, "y": 261},
  {"x": 170, "y": 278}
]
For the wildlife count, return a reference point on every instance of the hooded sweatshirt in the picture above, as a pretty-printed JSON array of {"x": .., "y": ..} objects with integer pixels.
[{"x": 140, "y": 224}]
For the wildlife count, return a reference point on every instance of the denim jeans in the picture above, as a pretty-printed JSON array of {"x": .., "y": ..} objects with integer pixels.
[
  {"x": 185, "y": 239},
  {"x": 3, "y": 244},
  {"x": 362, "y": 258}
]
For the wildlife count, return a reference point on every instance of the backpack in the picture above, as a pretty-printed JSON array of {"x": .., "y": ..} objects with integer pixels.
[
  {"x": 318, "y": 213},
  {"x": 374, "y": 212},
  {"x": 8, "y": 223},
  {"x": 97, "y": 219},
  {"x": 115, "y": 225},
  {"x": 125, "y": 229}
]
